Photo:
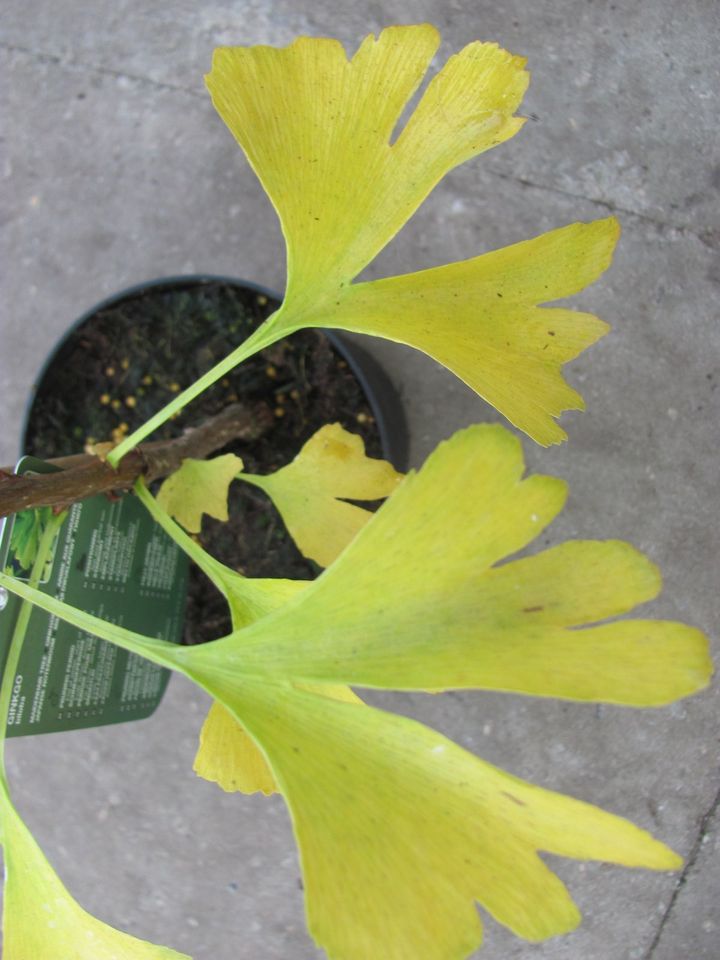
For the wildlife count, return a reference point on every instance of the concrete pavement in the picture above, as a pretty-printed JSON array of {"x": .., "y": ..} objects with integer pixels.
[{"x": 116, "y": 169}]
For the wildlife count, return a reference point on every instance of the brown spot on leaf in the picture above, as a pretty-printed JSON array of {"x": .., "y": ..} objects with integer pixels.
[
  {"x": 532, "y": 609},
  {"x": 511, "y": 796}
]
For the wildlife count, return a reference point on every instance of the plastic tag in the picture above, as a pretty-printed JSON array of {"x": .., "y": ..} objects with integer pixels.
[{"x": 110, "y": 559}]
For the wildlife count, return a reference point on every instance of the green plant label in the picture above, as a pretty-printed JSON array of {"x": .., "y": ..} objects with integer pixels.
[{"x": 111, "y": 559}]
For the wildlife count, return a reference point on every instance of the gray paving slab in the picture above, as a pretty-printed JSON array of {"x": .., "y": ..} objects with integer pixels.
[
  {"x": 695, "y": 932},
  {"x": 116, "y": 170},
  {"x": 653, "y": 60}
]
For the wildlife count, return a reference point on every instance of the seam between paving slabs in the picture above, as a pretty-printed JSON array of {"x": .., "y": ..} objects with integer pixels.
[
  {"x": 58, "y": 60},
  {"x": 684, "y": 876},
  {"x": 707, "y": 237}
]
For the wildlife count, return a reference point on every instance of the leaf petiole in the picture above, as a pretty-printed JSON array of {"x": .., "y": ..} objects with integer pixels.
[
  {"x": 260, "y": 339},
  {"x": 211, "y": 567},
  {"x": 155, "y": 650}
]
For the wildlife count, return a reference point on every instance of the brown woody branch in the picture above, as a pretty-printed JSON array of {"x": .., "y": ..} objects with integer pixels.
[{"x": 85, "y": 475}]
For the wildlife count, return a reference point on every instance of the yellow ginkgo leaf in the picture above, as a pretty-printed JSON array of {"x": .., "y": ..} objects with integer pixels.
[
  {"x": 248, "y": 598},
  {"x": 480, "y": 318},
  {"x": 307, "y": 492},
  {"x": 229, "y": 757},
  {"x": 415, "y": 602},
  {"x": 41, "y": 921},
  {"x": 198, "y": 487},
  {"x": 322, "y": 132},
  {"x": 400, "y": 830},
  {"x": 317, "y": 129},
  {"x": 226, "y": 754}
]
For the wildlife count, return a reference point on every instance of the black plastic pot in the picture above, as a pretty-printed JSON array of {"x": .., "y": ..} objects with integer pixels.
[{"x": 381, "y": 396}]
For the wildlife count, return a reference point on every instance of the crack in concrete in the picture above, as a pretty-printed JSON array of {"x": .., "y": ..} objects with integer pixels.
[
  {"x": 684, "y": 876},
  {"x": 707, "y": 237},
  {"x": 58, "y": 60}
]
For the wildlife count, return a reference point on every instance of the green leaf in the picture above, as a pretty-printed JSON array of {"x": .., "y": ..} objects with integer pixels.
[{"x": 25, "y": 536}]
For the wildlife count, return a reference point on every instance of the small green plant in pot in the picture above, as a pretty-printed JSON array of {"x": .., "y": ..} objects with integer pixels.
[{"x": 400, "y": 831}]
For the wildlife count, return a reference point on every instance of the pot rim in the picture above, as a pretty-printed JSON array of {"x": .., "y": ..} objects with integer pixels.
[{"x": 382, "y": 397}]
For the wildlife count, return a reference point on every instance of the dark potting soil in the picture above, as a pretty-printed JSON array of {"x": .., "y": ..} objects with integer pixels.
[{"x": 127, "y": 360}]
